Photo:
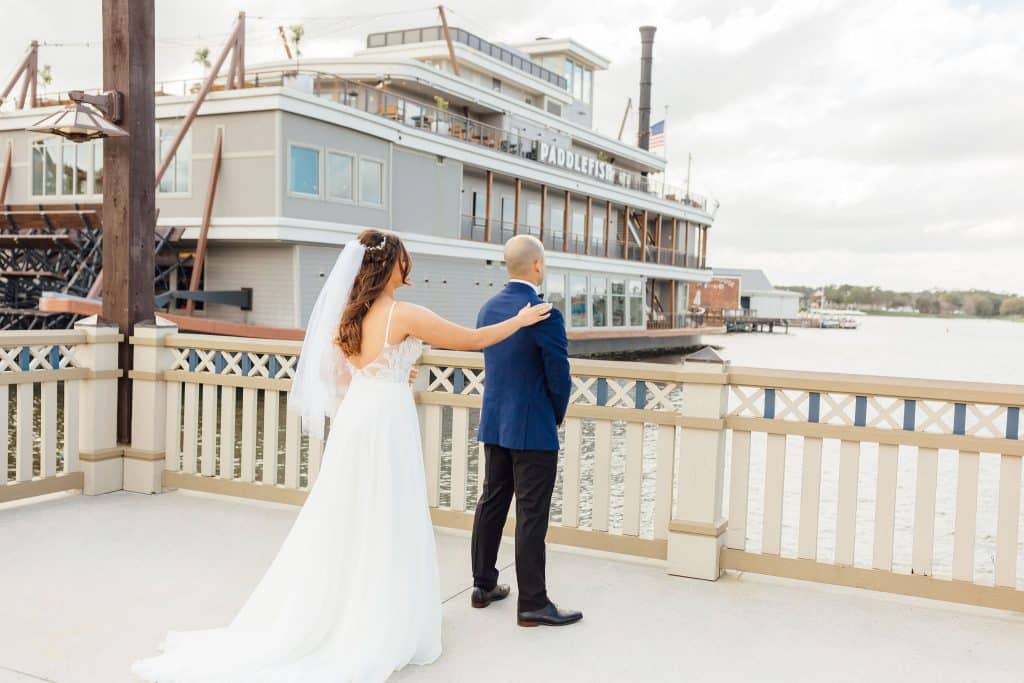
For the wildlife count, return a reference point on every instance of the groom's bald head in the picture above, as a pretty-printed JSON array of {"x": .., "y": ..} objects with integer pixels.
[{"x": 524, "y": 258}]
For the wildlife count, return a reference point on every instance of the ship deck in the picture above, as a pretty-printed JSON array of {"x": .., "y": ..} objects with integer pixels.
[{"x": 93, "y": 582}]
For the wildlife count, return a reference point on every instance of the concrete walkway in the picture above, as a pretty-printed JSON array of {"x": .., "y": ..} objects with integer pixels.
[{"x": 87, "y": 584}]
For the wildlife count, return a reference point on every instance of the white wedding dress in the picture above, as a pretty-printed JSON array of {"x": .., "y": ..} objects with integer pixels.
[{"x": 353, "y": 594}]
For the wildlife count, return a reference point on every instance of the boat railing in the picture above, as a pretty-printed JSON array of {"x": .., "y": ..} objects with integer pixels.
[
  {"x": 406, "y": 110},
  {"x": 411, "y": 112},
  {"x": 474, "y": 227},
  {"x": 677, "y": 321}
]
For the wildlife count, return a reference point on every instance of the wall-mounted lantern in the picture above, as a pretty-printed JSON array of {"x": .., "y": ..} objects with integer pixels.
[{"x": 88, "y": 117}]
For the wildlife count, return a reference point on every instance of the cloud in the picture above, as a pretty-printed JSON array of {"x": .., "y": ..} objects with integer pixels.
[{"x": 876, "y": 141}]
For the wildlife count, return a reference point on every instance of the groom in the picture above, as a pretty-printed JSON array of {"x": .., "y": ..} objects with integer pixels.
[{"x": 526, "y": 394}]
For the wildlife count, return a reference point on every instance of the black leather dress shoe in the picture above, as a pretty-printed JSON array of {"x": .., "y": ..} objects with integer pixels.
[
  {"x": 549, "y": 616},
  {"x": 482, "y": 598}
]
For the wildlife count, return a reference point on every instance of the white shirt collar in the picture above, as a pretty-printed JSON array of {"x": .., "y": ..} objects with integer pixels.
[{"x": 532, "y": 286}]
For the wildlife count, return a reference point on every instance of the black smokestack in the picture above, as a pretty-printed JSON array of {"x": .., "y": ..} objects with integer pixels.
[{"x": 646, "y": 59}]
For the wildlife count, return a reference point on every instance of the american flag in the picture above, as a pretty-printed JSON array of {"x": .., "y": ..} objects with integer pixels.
[{"x": 657, "y": 137}]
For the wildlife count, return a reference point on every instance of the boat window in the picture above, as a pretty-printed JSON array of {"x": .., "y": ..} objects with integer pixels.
[
  {"x": 479, "y": 208},
  {"x": 371, "y": 182},
  {"x": 578, "y": 285},
  {"x": 97, "y": 166},
  {"x": 554, "y": 287},
  {"x": 75, "y": 168},
  {"x": 618, "y": 301},
  {"x": 636, "y": 303},
  {"x": 178, "y": 175},
  {"x": 533, "y": 214},
  {"x": 557, "y": 226},
  {"x": 579, "y": 221},
  {"x": 44, "y": 166},
  {"x": 340, "y": 176},
  {"x": 304, "y": 170},
  {"x": 599, "y": 301},
  {"x": 508, "y": 207}
]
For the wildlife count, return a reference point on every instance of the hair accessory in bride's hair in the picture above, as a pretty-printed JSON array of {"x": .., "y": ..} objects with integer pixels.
[{"x": 379, "y": 247}]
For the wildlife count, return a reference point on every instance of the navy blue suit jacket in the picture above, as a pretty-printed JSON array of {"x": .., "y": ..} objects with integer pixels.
[{"x": 527, "y": 382}]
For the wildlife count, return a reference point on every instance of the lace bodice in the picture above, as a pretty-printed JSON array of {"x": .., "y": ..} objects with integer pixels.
[{"x": 394, "y": 361}]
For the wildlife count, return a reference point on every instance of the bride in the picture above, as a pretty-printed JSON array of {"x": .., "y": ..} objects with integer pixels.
[{"x": 353, "y": 594}]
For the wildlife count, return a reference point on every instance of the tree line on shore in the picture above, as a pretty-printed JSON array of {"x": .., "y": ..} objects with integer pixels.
[{"x": 931, "y": 302}]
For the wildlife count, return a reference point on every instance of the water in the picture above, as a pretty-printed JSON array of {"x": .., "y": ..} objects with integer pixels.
[
  {"x": 928, "y": 348},
  {"x": 966, "y": 349}
]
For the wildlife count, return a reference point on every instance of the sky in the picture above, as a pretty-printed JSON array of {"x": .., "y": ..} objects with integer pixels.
[{"x": 863, "y": 142}]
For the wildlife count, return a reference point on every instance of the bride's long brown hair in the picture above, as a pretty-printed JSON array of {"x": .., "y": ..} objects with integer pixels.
[{"x": 384, "y": 250}]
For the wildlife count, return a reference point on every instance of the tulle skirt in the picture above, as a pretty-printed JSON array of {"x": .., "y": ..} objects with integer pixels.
[{"x": 353, "y": 593}]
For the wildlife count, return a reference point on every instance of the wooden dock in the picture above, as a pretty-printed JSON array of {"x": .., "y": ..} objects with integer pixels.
[{"x": 751, "y": 322}]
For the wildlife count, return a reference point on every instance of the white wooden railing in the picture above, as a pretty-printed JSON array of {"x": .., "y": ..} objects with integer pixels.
[
  {"x": 905, "y": 486},
  {"x": 50, "y": 384},
  {"x": 615, "y": 483},
  {"x": 864, "y": 454},
  {"x": 222, "y": 421}
]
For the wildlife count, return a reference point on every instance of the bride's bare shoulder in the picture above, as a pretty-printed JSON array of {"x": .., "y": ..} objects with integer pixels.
[{"x": 412, "y": 311}]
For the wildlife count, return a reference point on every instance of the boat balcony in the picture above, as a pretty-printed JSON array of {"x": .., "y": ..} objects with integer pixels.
[
  {"x": 556, "y": 239},
  {"x": 815, "y": 509},
  {"x": 421, "y": 115}
]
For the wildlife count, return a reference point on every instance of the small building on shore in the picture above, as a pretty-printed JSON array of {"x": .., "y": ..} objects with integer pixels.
[{"x": 759, "y": 298}]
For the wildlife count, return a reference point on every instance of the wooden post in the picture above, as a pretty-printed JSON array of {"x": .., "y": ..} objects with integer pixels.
[
  {"x": 144, "y": 460},
  {"x": 704, "y": 247},
  {"x": 24, "y": 70},
  {"x": 236, "y": 72},
  {"x": 448, "y": 39},
  {"x": 543, "y": 209},
  {"x": 487, "y": 205},
  {"x": 686, "y": 244},
  {"x": 625, "y": 232},
  {"x": 697, "y": 529},
  {"x": 5, "y": 178},
  {"x": 565, "y": 220},
  {"x": 284, "y": 40},
  {"x": 607, "y": 224},
  {"x": 31, "y": 78},
  {"x": 515, "y": 209},
  {"x": 673, "y": 242},
  {"x": 657, "y": 241},
  {"x": 643, "y": 238},
  {"x": 129, "y": 202},
  {"x": 240, "y": 51},
  {"x": 672, "y": 286},
  {"x": 586, "y": 226},
  {"x": 211, "y": 194}
]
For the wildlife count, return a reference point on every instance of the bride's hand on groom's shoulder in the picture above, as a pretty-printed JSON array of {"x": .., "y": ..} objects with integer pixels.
[
  {"x": 413, "y": 374},
  {"x": 531, "y": 315}
]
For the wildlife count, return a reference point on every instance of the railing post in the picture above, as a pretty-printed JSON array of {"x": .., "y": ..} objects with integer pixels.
[
  {"x": 697, "y": 529},
  {"x": 98, "y": 453},
  {"x": 144, "y": 460}
]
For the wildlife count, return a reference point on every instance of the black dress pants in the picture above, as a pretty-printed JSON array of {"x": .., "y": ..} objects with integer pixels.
[{"x": 531, "y": 476}]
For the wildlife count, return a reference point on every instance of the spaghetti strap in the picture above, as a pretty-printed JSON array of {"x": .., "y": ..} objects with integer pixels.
[{"x": 387, "y": 327}]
